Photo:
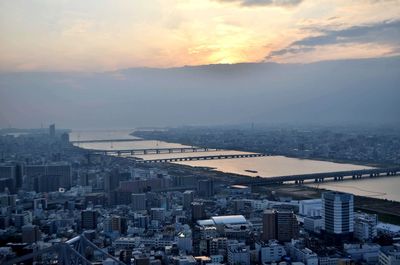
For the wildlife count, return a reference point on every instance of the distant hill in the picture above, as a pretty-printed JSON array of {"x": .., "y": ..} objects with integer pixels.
[{"x": 330, "y": 92}]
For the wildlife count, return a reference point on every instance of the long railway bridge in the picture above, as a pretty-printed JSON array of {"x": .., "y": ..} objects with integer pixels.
[
  {"x": 195, "y": 158},
  {"x": 153, "y": 151},
  {"x": 320, "y": 177}
]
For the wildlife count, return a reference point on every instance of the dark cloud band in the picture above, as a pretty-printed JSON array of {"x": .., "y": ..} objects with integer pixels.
[{"x": 386, "y": 32}]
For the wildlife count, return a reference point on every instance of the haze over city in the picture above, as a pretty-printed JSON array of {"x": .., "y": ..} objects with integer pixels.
[{"x": 124, "y": 63}]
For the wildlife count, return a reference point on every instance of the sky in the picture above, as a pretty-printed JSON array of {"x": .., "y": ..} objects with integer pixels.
[{"x": 106, "y": 35}]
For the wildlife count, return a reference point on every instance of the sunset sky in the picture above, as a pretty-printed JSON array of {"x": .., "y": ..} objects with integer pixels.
[{"x": 100, "y": 35}]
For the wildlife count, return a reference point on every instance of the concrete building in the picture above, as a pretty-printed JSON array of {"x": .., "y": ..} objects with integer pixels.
[
  {"x": 238, "y": 254},
  {"x": 205, "y": 188},
  {"x": 368, "y": 253},
  {"x": 188, "y": 198},
  {"x": 138, "y": 201},
  {"x": 287, "y": 226},
  {"x": 389, "y": 255},
  {"x": 310, "y": 207},
  {"x": 313, "y": 224},
  {"x": 280, "y": 224},
  {"x": 158, "y": 214},
  {"x": 89, "y": 219},
  {"x": 198, "y": 211},
  {"x": 302, "y": 254},
  {"x": 184, "y": 241},
  {"x": 115, "y": 224},
  {"x": 30, "y": 233},
  {"x": 184, "y": 260},
  {"x": 269, "y": 227},
  {"x": 60, "y": 170},
  {"x": 365, "y": 226},
  {"x": 269, "y": 252}
]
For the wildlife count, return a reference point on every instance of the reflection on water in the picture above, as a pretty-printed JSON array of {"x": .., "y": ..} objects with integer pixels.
[
  {"x": 129, "y": 145},
  {"x": 382, "y": 187}
]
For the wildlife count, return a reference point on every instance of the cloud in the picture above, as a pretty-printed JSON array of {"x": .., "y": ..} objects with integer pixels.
[
  {"x": 283, "y": 3},
  {"x": 384, "y": 32}
]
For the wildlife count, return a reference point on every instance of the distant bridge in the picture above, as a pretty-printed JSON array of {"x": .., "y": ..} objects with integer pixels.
[
  {"x": 65, "y": 253},
  {"x": 154, "y": 151},
  {"x": 195, "y": 158},
  {"x": 106, "y": 141},
  {"x": 320, "y": 177}
]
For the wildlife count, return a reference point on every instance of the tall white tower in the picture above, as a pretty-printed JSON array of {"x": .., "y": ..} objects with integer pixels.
[{"x": 338, "y": 213}]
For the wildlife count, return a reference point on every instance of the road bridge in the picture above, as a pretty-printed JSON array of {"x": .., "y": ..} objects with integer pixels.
[{"x": 320, "y": 177}]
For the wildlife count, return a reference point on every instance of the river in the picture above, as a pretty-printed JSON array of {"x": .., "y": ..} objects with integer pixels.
[{"x": 268, "y": 166}]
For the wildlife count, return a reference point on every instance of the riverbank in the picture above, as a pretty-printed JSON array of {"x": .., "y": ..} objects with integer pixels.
[{"x": 387, "y": 211}]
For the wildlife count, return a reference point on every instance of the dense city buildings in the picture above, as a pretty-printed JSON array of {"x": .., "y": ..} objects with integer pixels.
[{"x": 54, "y": 193}]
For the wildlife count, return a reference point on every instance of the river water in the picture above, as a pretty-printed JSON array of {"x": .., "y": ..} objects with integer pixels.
[{"x": 268, "y": 166}]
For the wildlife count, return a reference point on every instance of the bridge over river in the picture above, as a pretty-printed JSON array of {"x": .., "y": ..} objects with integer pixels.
[
  {"x": 194, "y": 158},
  {"x": 154, "y": 151},
  {"x": 320, "y": 177}
]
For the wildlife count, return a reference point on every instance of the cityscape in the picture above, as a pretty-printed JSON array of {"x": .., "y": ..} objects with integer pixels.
[
  {"x": 200, "y": 132},
  {"x": 115, "y": 209}
]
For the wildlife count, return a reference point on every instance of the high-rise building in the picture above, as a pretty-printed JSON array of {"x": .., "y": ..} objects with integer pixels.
[
  {"x": 269, "y": 227},
  {"x": 205, "y": 188},
  {"x": 21, "y": 219},
  {"x": 89, "y": 219},
  {"x": 52, "y": 130},
  {"x": 30, "y": 233},
  {"x": 7, "y": 200},
  {"x": 188, "y": 197},
  {"x": 138, "y": 201},
  {"x": 338, "y": 214},
  {"x": 46, "y": 183},
  {"x": 7, "y": 171},
  {"x": 115, "y": 224},
  {"x": 280, "y": 224},
  {"x": 287, "y": 226},
  {"x": 198, "y": 211},
  {"x": 111, "y": 181}
]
